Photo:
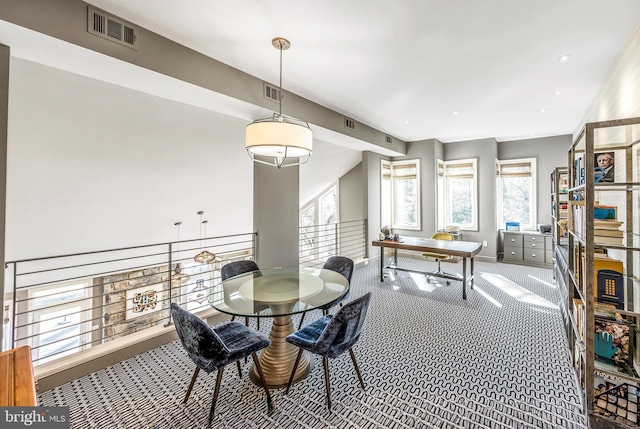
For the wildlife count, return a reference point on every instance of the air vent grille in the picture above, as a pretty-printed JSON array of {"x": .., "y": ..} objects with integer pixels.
[
  {"x": 388, "y": 140},
  {"x": 349, "y": 123},
  {"x": 271, "y": 92},
  {"x": 112, "y": 28}
]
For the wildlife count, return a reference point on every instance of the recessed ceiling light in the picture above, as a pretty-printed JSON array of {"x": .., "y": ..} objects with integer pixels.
[
  {"x": 456, "y": 112},
  {"x": 557, "y": 93},
  {"x": 564, "y": 58},
  {"x": 542, "y": 110},
  {"x": 406, "y": 122}
]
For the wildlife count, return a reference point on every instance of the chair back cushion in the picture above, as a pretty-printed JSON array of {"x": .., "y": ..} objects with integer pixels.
[
  {"x": 340, "y": 264},
  {"x": 202, "y": 344},
  {"x": 344, "y": 328},
  {"x": 445, "y": 236},
  {"x": 236, "y": 268}
]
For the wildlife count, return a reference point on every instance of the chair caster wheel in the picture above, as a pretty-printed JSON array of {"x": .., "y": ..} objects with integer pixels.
[{"x": 448, "y": 283}]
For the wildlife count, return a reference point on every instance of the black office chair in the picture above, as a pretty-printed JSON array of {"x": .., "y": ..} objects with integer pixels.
[
  {"x": 331, "y": 336},
  {"x": 236, "y": 268},
  {"x": 341, "y": 265},
  {"x": 214, "y": 348}
]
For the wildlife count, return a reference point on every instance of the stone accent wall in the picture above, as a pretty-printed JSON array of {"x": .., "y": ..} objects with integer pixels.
[{"x": 116, "y": 324}]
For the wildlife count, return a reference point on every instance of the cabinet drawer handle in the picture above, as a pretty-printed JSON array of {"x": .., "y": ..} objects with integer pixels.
[
  {"x": 533, "y": 255},
  {"x": 513, "y": 240},
  {"x": 533, "y": 245},
  {"x": 533, "y": 239},
  {"x": 513, "y": 253}
]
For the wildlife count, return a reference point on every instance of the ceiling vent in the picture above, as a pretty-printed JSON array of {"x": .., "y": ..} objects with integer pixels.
[
  {"x": 349, "y": 123},
  {"x": 388, "y": 140},
  {"x": 271, "y": 92},
  {"x": 111, "y": 28}
]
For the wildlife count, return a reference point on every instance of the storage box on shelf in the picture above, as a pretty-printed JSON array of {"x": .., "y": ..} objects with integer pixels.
[{"x": 603, "y": 258}]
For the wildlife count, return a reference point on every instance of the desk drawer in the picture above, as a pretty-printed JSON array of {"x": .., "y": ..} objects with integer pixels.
[
  {"x": 512, "y": 240},
  {"x": 534, "y": 255},
  {"x": 538, "y": 245},
  {"x": 512, "y": 253},
  {"x": 533, "y": 238}
]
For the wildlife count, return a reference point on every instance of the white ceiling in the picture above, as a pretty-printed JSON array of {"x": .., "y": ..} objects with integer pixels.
[{"x": 404, "y": 67}]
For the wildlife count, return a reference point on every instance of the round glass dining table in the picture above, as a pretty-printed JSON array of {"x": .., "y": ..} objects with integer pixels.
[{"x": 279, "y": 293}]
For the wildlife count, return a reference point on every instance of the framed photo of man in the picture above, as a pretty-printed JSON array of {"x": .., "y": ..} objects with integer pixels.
[{"x": 604, "y": 171}]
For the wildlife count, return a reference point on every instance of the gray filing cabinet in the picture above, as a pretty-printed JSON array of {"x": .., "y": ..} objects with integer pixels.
[{"x": 528, "y": 247}]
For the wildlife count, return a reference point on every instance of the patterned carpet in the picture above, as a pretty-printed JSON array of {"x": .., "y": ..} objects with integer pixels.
[{"x": 428, "y": 358}]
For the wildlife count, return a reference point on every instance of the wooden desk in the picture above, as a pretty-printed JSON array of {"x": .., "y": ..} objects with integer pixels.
[
  {"x": 464, "y": 249},
  {"x": 17, "y": 383}
]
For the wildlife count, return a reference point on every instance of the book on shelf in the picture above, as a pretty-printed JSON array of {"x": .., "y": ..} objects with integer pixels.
[
  {"x": 606, "y": 224},
  {"x": 578, "y": 316},
  {"x": 598, "y": 239},
  {"x": 607, "y": 232}
]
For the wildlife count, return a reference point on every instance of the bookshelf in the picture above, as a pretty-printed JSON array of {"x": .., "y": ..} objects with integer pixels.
[
  {"x": 602, "y": 276},
  {"x": 560, "y": 238}
]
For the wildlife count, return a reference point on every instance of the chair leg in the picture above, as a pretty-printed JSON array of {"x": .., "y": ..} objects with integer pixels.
[
  {"x": 264, "y": 382},
  {"x": 301, "y": 319},
  {"x": 293, "y": 371},
  {"x": 258, "y": 322},
  {"x": 355, "y": 365},
  {"x": 325, "y": 363},
  {"x": 193, "y": 381},
  {"x": 239, "y": 369},
  {"x": 215, "y": 395},
  {"x": 233, "y": 318}
]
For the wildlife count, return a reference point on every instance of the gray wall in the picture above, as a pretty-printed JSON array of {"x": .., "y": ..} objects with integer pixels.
[
  {"x": 371, "y": 196},
  {"x": 350, "y": 195},
  {"x": 486, "y": 151},
  {"x": 550, "y": 152},
  {"x": 276, "y": 215}
]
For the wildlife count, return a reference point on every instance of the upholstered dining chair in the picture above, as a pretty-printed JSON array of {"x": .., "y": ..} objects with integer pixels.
[
  {"x": 236, "y": 268},
  {"x": 331, "y": 336},
  {"x": 341, "y": 265},
  {"x": 439, "y": 256},
  {"x": 213, "y": 348}
]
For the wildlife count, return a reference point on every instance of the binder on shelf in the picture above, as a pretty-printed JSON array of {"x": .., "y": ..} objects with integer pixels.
[{"x": 610, "y": 288}]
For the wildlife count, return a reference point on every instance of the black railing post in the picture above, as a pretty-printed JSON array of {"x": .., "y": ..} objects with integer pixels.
[{"x": 169, "y": 323}]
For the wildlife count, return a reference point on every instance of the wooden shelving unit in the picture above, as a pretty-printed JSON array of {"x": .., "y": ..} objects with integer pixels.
[{"x": 602, "y": 276}]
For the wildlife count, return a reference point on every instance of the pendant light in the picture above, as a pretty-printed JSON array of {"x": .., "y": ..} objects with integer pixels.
[
  {"x": 280, "y": 141},
  {"x": 178, "y": 277},
  {"x": 204, "y": 257}
]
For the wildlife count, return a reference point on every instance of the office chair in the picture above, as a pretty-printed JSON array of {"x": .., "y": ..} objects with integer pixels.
[
  {"x": 341, "y": 265},
  {"x": 439, "y": 256},
  {"x": 214, "y": 348},
  {"x": 331, "y": 336}
]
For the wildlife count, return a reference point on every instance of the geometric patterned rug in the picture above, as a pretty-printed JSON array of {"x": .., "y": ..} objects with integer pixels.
[{"x": 429, "y": 359}]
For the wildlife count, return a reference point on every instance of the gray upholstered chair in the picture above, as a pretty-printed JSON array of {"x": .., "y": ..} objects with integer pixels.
[
  {"x": 331, "y": 336},
  {"x": 341, "y": 265},
  {"x": 213, "y": 348},
  {"x": 236, "y": 268}
]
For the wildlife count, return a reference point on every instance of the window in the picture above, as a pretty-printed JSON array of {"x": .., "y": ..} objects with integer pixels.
[
  {"x": 517, "y": 192},
  {"x": 60, "y": 320},
  {"x": 318, "y": 238},
  {"x": 458, "y": 194},
  {"x": 400, "y": 194}
]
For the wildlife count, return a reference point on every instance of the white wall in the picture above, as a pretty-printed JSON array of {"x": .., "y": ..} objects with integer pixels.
[{"x": 84, "y": 173}]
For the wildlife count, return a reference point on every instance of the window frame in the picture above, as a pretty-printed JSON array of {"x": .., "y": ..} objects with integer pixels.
[
  {"x": 533, "y": 191},
  {"x": 443, "y": 213},
  {"x": 392, "y": 207}
]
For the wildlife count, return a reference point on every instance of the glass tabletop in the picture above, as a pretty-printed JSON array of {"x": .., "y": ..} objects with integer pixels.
[{"x": 278, "y": 291}]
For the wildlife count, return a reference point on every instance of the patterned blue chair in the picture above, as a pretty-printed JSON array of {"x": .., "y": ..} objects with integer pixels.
[
  {"x": 341, "y": 265},
  {"x": 213, "y": 348},
  {"x": 331, "y": 336}
]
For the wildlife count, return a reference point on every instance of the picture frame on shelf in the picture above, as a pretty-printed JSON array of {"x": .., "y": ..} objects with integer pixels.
[{"x": 604, "y": 167}]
